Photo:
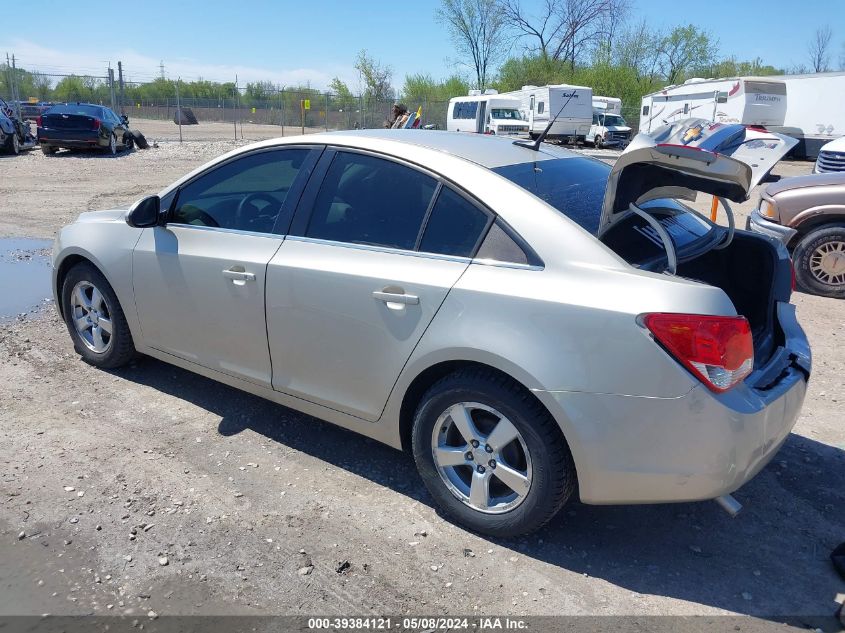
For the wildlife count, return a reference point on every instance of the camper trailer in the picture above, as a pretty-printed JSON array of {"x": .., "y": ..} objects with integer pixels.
[
  {"x": 815, "y": 114},
  {"x": 485, "y": 113},
  {"x": 572, "y": 105},
  {"x": 609, "y": 129},
  {"x": 747, "y": 100}
]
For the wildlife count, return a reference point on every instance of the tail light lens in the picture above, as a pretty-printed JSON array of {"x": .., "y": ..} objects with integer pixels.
[
  {"x": 95, "y": 124},
  {"x": 718, "y": 350},
  {"x": 38, "y": 120}
]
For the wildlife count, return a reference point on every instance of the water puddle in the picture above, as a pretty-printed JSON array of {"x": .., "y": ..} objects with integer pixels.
[{"x": 24, "y": 275}]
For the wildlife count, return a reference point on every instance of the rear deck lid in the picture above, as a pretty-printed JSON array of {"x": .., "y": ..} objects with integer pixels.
[{"x": 691, "y": 156}]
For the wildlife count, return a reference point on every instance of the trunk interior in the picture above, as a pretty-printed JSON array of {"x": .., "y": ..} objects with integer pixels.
[{"x": 754, "y": 278}]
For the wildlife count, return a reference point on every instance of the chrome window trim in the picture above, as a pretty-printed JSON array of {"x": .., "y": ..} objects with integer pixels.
[
  {"x": 379, "y": 249},
  {"x": 498, "y": 264},
  {"x": 221, "y": 229}
]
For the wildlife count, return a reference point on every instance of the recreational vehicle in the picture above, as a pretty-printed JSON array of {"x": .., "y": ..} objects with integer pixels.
[
  {"x": 815, "y": 112},
  {"x": 608, "y": 128},
  {"x": 572, "y": 105},
  {"x": 485, "y": 113},
  {"x": 746, "y": 100}
]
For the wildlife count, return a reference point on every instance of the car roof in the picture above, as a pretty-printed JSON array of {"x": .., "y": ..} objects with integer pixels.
[{"x": 486, "y": 150}]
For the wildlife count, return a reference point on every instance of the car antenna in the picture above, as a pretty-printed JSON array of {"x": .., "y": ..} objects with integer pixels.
[{"x": 535, "y": 144}]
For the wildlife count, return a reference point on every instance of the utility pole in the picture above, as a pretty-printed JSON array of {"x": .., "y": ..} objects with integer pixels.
[
  {"x": 235, "y": 108},
  {"x": 111, "y": 87},
  {"x": 120, "y": 84},
  {"x": 178, "y": 109},
  {"x": 14, "y": 87}
]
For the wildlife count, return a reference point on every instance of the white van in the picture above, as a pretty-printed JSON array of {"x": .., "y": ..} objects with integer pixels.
[
  {"x": 486, "y": 113},
  {"x": 608, "y": 128},
  {"x": 572, "y": 105}
]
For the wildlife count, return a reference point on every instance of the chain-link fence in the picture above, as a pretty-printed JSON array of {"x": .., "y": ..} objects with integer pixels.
[{"x": 160, "y": 98}]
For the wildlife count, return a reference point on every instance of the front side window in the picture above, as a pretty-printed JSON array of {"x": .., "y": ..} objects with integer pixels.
[
  {"x": 454, "y": 226},
  {"x": 246, "y": 194},
  {"x": 369, "y": 200}
]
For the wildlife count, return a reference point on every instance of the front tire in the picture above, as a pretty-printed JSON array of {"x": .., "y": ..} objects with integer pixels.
[
  {"x": 819, "y": 260},
  {"x": 95, "y": 319},
  {"x": 598, "y": 141},
  {"x": 490, "y": 454},
  {"x": 48, "y": 150}
]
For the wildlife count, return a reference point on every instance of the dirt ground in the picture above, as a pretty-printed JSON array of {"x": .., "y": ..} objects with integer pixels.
[{"x": 150, "y": 489}]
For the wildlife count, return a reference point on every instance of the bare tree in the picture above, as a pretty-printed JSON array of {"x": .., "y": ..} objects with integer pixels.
[
  {"x": 544, "y": 27},
  {"x": 375, "y": 77},
  {"x": 819, "y": 49},
  {"x": 478, "y": 30},
  {"x": 561, "y": 29}
]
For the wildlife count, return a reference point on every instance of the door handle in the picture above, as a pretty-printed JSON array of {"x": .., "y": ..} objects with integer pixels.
[
  {"x": 396, "y": 297},
  {"x": 238, "y": 275}
]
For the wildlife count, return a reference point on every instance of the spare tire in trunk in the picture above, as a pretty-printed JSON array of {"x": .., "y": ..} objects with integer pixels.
[{"x": 184, "y": 116}]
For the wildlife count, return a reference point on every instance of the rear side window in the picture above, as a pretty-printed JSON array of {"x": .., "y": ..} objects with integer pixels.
[
  {"x": 246, "y": 194},
  {"x": 574, "y": 186},
  {"x": 454, "y": 226},
  {"x": 541, "y": 107},
  {"x": 369, "y": 200},
  {"x": 645, "y": 110},
  {"x": 465, "y": 110}
]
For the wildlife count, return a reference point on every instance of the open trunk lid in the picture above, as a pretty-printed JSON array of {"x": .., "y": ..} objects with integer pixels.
[{"x": 691, "y": 156}]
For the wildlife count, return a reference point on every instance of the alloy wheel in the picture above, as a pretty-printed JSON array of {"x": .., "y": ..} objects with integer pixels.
[
  {"x": 481, "y": 457},
  {"x": 91, "y": 317},
  {"x": 827, "y": 263}
]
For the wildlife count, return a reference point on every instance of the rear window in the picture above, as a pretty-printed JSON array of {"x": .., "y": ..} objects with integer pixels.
[
  {"x": 69, "y": 108},
  {"x": 573, "y": 186}
]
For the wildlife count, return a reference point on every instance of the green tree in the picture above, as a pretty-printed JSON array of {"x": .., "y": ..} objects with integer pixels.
[
  {"x": 375, "y": 76},
  {"x": 684, "y": 50}
]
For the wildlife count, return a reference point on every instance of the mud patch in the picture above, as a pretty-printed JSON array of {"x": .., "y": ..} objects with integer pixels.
[{"x": 24, "y": 275}]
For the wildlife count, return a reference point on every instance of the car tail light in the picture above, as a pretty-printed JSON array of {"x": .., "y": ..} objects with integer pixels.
[
  {"x": 95, "y": 124},
  {"x": 38, "y": 120},
  {"x": 716, "y": 349}
]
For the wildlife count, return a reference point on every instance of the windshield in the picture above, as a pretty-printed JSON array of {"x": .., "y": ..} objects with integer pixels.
[
  {"x": 506, "y": 113},
  {"x": 573, "y": 186},
  {"x": 614, "y": 119}
]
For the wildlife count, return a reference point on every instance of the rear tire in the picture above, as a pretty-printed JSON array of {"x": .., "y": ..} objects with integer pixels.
[
  {"x": 819, "y": 260},
  {"x": 48, "y": 150},
  {"x": 88, "y": 305},
  {"x": 112, "y": 148},
  {"x": 538, "y": 454}
]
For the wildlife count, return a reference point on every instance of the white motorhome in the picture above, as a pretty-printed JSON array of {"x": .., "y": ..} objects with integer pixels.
[
  {"x": 746, "y": 100},
  {"x": 608, "y": 128},
  {"x": 815, "y": 110},
  {"x": 485, "y": 113},
  {"x": 572, "y": 105}
]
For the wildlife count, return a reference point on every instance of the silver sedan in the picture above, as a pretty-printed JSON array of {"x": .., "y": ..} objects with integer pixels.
[{"x": 529, "y": 322}]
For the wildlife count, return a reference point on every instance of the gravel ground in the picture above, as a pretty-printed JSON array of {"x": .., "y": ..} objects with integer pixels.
[{"x": 153, "y": 489}]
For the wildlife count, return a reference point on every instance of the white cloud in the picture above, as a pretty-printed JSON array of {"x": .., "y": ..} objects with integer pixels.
[{"x": 140, "y": 67}]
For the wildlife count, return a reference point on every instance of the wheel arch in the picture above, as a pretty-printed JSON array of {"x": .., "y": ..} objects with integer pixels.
[
  {"x": 425, "y": 377},
  {"x": 816, "y": 222}
]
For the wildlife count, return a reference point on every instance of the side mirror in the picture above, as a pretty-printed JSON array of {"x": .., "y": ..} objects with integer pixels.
[{"x": 144, "y": 213}]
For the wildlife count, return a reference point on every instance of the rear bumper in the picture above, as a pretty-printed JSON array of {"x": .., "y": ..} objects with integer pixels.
[
  {"x": 697, "y": 446},
  {"x": 72, "y": 138},
  {"x": 759, "y": 224}
]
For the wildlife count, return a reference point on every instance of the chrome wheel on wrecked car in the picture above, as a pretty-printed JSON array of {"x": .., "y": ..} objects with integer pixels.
[
  {"x": 481, "y": 457},
  {"x": 827, "y": 262},
  {"x": 91, "y": 317}
]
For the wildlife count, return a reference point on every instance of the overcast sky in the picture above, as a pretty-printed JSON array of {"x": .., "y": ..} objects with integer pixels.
[{"x": 297, "y": 42}]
